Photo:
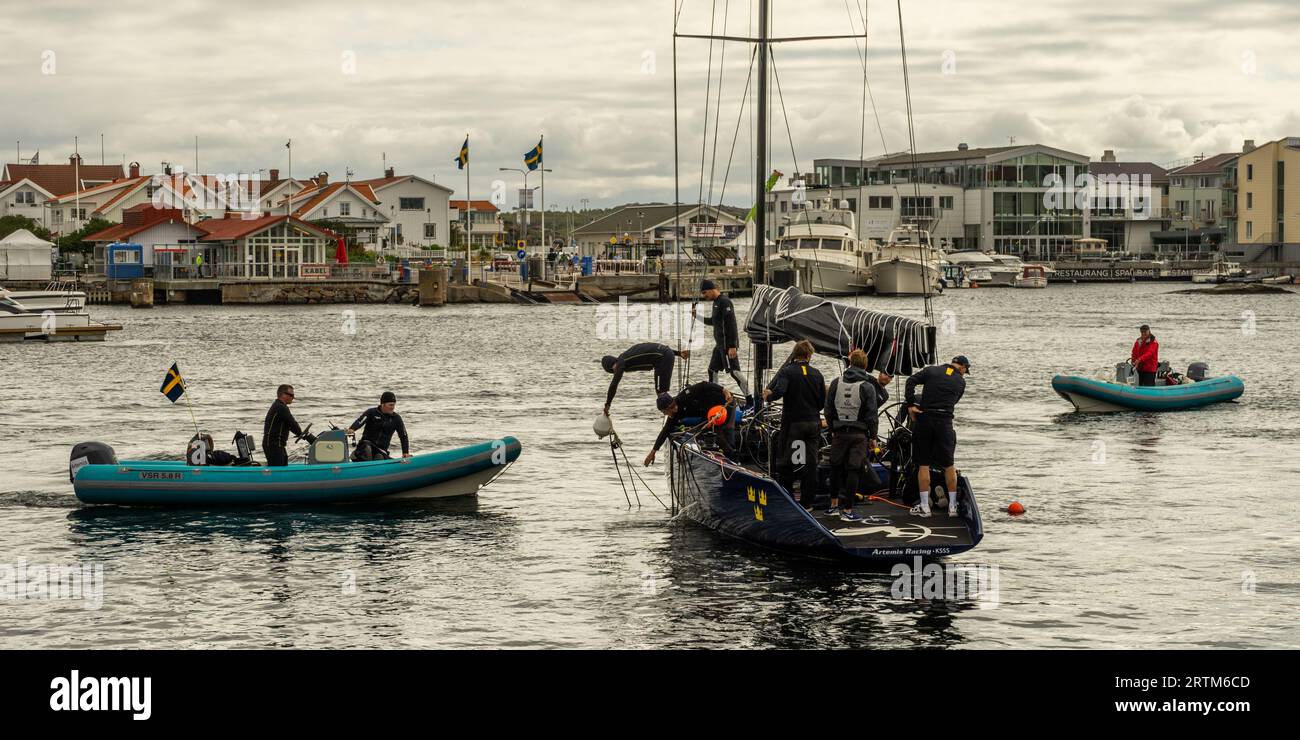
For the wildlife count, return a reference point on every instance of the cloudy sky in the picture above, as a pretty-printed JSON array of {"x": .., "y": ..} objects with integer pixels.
[{"x": 1160, "y": 80}]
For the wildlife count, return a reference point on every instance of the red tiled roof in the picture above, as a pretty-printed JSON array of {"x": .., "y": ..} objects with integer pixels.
[
  {"x": 316, "y": 195},
  {"x": 235, "y": 227},
  {"x": 135, "y": 220},
  {"x": 127, "y": 184},
  {"x": 61, "y": 179},
  {"x": 479, "y": 205}
]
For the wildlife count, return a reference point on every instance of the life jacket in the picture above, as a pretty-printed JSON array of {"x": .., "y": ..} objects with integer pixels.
[{"x": 848, "y": 401}]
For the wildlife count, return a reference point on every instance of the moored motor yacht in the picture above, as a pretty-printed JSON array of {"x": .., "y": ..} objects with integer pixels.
[
  {"x": 821, "y": 245},
  {"x": 907, "y": 264},
  {"x": 48, "y": 316}
]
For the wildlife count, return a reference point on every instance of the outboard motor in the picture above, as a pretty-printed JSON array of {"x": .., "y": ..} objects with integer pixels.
[
  {"x": 90, "y": 453},
  {"x": 199, "y": 449},
  {"x": 1124, "y": 373},
  {"x": 330, "y": 447},
  {"x": 245, "y": 446},
  {"x": 1197, "y": 371}
]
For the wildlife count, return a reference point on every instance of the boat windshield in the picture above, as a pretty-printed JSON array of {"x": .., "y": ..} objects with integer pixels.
[
  {"x": 807, "y": 243},
  {"x": 832, "y": 244}
]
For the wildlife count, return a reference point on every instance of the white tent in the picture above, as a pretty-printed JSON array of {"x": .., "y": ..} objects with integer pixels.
[{"x": 25, "y": 256}]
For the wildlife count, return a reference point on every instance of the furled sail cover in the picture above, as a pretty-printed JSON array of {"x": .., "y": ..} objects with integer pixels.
[{"x": 895, "y": 344}]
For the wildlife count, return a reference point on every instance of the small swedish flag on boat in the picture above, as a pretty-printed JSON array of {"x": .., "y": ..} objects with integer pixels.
[{"x": 173, "y": 386}]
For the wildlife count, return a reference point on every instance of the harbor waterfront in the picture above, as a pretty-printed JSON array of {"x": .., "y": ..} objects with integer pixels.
[{"x": 1142, "y": 530}]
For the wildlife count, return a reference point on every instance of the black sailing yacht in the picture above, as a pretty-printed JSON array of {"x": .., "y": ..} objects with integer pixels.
[{"x": 738, "y": 496}]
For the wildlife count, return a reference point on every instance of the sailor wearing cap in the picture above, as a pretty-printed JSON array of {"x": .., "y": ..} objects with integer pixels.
[{"x": 934, "y": 442}]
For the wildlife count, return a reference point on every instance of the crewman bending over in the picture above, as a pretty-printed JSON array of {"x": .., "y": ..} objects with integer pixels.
[
  {"x": 380, "y": 423},
  {"x": 659, "y": 358}
]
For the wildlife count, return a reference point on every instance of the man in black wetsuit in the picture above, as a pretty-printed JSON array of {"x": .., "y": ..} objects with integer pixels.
[
  {"x": 645, "y": 356},
  {"x": 726, "y": 338},
  {"x": 799, "y": 442},
  {"x": 934, "y": 442},
  {"x": 380, "y": 423},
  {"x": 275, "y": 429},
  {"x": 694, "y": 402}
]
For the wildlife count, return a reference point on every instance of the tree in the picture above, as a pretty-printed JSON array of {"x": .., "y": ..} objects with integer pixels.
[
  {"x": 75, "y": 242},
  {"x": 10, "y": 224}
]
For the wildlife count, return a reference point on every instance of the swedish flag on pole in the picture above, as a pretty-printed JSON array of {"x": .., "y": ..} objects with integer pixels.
[
  {"x": 463, "y": 158},
  {"x": 173, "y": 387},
  {"x": 534, "y": 157}
]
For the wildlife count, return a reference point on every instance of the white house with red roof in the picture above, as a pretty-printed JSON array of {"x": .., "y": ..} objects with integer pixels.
[
  {"x": 149, "y": 227},
  {"x": 416, "y": 209},
  {"x": 353, "y": 205},
  {"x": 486, "y": 229},
  {"x": 24, "y": 197}
]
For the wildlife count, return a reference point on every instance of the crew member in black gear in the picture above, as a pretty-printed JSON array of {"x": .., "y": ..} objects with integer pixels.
[
  {"x": 726, "y": 338},
  {"x": 799, "y": 441},
  {"x": 694, "y": 402},
  {"x": 380, "y": 423},
  {"x": 934, "y": 442},
  {"x": 851, "y": 407},
  {"x": 645, "y": 356},
  {"x": 275, "y": 430}
]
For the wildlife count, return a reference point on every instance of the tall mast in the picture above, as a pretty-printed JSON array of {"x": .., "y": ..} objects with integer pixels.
[{"x": 760, "y": 169}]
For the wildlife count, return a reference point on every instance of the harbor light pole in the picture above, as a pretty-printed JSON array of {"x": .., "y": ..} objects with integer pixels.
[{"x": 523, "y": 203}]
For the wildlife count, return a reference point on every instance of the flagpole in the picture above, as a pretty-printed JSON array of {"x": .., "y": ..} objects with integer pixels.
[
  {"x": 469, "y": 216},
  {"x": 541, "y": 162},
  {"x": 190, "y": 406}
]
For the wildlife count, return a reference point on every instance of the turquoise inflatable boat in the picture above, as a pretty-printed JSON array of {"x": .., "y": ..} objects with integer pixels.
[
  {"x": 98, "y": 478},
  {"x": 1089, "y": 394}
]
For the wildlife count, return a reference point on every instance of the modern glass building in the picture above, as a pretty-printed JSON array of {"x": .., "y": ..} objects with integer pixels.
[{"x": 1005, "y": 192}]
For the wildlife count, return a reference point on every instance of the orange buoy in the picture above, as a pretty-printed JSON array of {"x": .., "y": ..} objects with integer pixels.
[
  {"x": 1016, "y": 508},
  {"x": 717, "y": 416}
]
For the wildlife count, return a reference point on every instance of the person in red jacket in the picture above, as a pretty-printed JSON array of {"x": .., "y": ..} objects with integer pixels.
[{"x": 1146, "y": 356}]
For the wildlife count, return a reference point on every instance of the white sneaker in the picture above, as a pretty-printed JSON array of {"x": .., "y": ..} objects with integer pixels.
[
  {"x": 952, "y": 510},
  {"x": 920, "y": 511}
]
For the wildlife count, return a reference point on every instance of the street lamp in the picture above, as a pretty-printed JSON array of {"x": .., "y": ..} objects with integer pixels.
[{"x": 523, "y": 220}]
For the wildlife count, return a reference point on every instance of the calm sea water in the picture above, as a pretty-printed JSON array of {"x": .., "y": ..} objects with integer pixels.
[{"x": 1142, "y": 530}]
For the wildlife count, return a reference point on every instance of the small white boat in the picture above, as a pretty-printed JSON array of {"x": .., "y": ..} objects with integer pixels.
[
  {"x": 821, "y": 245},
  {"x": 1032, "y": 276},
  {"x": 1219, "y": 272},
  {"x": 49, "y": 316},
  {"x": 907, "y": 264}
]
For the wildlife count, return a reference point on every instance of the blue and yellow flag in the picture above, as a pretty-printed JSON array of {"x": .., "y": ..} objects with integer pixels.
[
  {"x": 173, "y": 386},
  {"x": 534, "y": 157},
  {"x": 463, "y": 158}
]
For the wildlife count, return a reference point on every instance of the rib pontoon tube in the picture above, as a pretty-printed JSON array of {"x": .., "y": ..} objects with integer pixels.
[
  {"x": 458, "y": 472},
  {"x": 1090, "y": 394}
]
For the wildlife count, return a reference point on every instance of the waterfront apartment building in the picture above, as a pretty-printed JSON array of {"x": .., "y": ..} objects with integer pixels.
[
  {"x": 1196, "y": 192},
  {"x": 1268, "y": 199},
  {"x": 990, "y": 198}
]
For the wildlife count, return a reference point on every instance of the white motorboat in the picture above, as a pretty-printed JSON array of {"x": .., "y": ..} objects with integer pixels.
[
  {"x": 1033, "y": 276},
  {"x": 1219, "y": 272},
  {"x": 56, "y": 297},
  {"x": 48, "y": 316},
  {"x": 999, "y": 275},
  {"x": 821, "y": 245},
  {"x": 907, "y": 264}
]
